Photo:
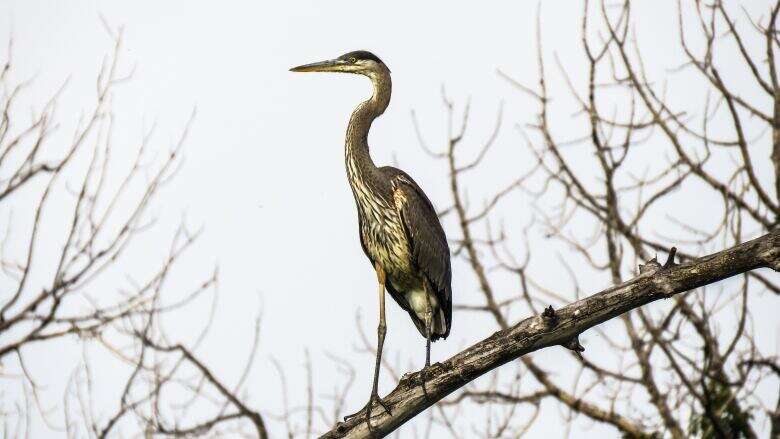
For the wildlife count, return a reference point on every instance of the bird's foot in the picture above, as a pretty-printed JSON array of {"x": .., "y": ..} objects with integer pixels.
[
  {"x": 373, "y": 399},
  {"x": 423, "y": 373}
]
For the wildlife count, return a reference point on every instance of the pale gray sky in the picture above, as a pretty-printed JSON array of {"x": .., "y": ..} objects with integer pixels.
[{"x": 264, "y": 168}]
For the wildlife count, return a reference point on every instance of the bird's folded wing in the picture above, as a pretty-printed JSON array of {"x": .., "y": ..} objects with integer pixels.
[{"x": 428, "y": 243}]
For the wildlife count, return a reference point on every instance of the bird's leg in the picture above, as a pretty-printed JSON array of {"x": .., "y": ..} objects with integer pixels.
[
  {"x": 428, "y": 333},
  {"x": 381, "y": 331},
  {"x": 423, "y": 372}
]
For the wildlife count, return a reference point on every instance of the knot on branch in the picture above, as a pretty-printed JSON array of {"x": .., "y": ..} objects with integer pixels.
[
  {"x": 771, "y": 258},
  {"x": 574, "y": 344},
  {"x": 549, "y": 316},
  {"x": 663, "y": 285},
  {"x": 653, "y": 265},
  {"x": 650, "y": 266}
]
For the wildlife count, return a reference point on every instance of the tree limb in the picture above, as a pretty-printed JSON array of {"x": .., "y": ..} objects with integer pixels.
[{"x": 537, "y": 332}]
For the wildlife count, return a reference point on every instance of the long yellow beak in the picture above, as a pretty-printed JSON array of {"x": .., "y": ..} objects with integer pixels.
[{"x": 333, "y": 65}]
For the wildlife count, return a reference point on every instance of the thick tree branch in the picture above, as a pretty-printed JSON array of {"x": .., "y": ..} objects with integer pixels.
[{"x": 534, "y": 333}]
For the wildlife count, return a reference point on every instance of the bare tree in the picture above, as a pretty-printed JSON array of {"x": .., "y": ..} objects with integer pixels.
[
  {"x": 80, "y": 295},
  {"x": 688, "y": 366},
  {"x": 608, "y": 198}
]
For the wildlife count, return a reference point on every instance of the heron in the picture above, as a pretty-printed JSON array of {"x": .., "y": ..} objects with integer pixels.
[{"x": 398, "y": 226}]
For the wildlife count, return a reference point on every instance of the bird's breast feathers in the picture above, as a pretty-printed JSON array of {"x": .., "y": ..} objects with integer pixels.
[
  {"x": 381, "y": 227},
  {"x": 386, "y": 243},
  {"x": 384, "y": 237}
]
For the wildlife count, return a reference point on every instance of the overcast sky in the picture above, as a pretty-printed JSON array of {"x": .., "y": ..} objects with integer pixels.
[{"x": 264, "y": 173}]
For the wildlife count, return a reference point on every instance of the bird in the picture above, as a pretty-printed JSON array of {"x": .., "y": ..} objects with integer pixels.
[{"x": 398, "y": 226}]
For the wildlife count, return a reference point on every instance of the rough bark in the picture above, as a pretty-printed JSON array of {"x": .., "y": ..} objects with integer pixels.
[{"x": 560, "y": 327}]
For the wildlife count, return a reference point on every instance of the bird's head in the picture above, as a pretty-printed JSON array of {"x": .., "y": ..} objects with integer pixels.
[{"x": 361, "y": 62}]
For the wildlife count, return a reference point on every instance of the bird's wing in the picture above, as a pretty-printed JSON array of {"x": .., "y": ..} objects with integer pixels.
[{"x": 425, "y": 235}]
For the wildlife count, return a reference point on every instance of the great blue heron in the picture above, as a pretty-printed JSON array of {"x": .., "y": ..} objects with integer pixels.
[{"x": 399, "y": 229}]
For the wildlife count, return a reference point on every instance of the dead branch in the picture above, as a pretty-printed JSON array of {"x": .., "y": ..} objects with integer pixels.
[{"x": 534, "y": 333}]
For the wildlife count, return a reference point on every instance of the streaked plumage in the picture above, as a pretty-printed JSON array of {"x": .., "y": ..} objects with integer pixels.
[{"x": 398, "y": 227}]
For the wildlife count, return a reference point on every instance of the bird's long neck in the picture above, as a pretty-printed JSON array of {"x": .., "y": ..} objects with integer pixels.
[{"x": 358, "y": 160}]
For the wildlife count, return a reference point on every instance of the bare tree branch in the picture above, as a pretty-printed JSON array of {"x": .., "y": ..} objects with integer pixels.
[{"x": 558, "y": 328}]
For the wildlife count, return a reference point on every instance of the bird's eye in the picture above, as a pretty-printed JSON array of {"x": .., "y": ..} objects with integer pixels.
[{"x": 352, "y": 59}]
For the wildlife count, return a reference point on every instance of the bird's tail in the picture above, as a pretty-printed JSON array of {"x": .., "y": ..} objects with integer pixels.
[{"x": 440, "y": 329}]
